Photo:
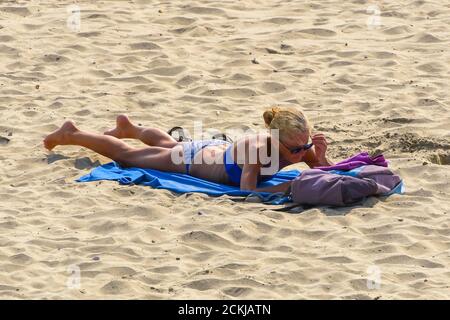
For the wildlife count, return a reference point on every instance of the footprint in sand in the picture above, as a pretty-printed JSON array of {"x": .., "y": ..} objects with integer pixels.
[
  {"x": 89, "y": 34},
  {"x": 427, "y": 38},
  {"x": 144, "y": 46},
  {"x": 206, "y": 11},
  {"x": 78, "y": 47},
  {"x": 6, "y": 38},
  {"x": 97, "y": 16},
  {"x": 100, "y": 73},
  {"x": 319, "y": 32},
  {"x": 397, "y": 30},
  {"x": 31, "y": 26},
  {"x": 115, "y": 287},
  {"x": 272, "y": 87},
  {"x": 384, "y": 55},
  {"x": 167, "y": 71},
  {"x": 187, "y": 80},
  {"x": 347, "y": 54},
  {"x": 231, "y": 93},
  {"x": 280, "y": 20},
  {"x": 432, "y": 67},
  {"x": 20, "y": 11},
  {"x": 136, "y": 79},
  {"x": 182, "y": 21},
  {"x": 4, "y": 49},
  {"x": 340, "y": 64},
  {"x": 4, "y": 141},
  {"x": 54, "y": 58},
  {"x": 237, "y": 291}
]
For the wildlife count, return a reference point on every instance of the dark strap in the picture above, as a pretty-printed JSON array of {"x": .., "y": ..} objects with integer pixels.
[
  {"x": 181, "y": 134},
  {"x": 222, "y": 136}
]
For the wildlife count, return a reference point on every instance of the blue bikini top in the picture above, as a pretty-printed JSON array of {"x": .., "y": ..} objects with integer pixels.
[{"x": 232, "y": 168}]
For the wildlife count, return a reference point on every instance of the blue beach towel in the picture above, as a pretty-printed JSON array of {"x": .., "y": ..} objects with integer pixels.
[{"x": 183, "y": 183}]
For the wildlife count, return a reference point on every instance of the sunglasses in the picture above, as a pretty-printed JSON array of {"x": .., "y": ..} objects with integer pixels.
[{"x": 300, "y": 148}]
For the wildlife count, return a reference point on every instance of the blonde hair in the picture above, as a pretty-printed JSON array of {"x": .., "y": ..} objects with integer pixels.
[{"x": 289, "y": 121}]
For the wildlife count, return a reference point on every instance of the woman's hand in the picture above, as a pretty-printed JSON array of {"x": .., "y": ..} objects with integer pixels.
[
  {"x": 249, "y": 177},
  {"x": 320, "y": 148}
]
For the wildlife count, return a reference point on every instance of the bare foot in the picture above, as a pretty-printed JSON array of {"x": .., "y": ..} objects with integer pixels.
[
  {"x": 60, "y": 136},
  {"x": 123, "y": 129}
]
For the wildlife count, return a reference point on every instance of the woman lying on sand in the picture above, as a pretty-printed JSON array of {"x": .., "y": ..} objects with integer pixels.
[{"x": 200, "y": 158}]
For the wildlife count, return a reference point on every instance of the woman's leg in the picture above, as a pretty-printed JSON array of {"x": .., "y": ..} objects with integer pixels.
[
  {"x": 125, "y": 129},
  {"x": 113, "y": 148}
]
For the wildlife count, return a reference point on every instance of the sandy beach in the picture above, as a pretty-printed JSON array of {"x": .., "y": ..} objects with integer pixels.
[{"x": 370, "y": 75}]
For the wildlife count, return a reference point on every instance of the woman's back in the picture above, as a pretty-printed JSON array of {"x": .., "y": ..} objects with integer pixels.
[{"x": 224, "y": 163}]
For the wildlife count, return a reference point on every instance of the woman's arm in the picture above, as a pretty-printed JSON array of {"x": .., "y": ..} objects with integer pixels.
[
  {"x": 249, "y": 181},
  {"x": 251, "y": 172},
  {"x": 316, "y": 156},
  {"x": 282, "y": 187},
  {"x": 249, "y": 177},
  {"x": 313, "y": 161}
]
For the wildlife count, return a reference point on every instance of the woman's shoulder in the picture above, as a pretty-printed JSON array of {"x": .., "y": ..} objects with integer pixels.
[{"x": 255, "y": 139}]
